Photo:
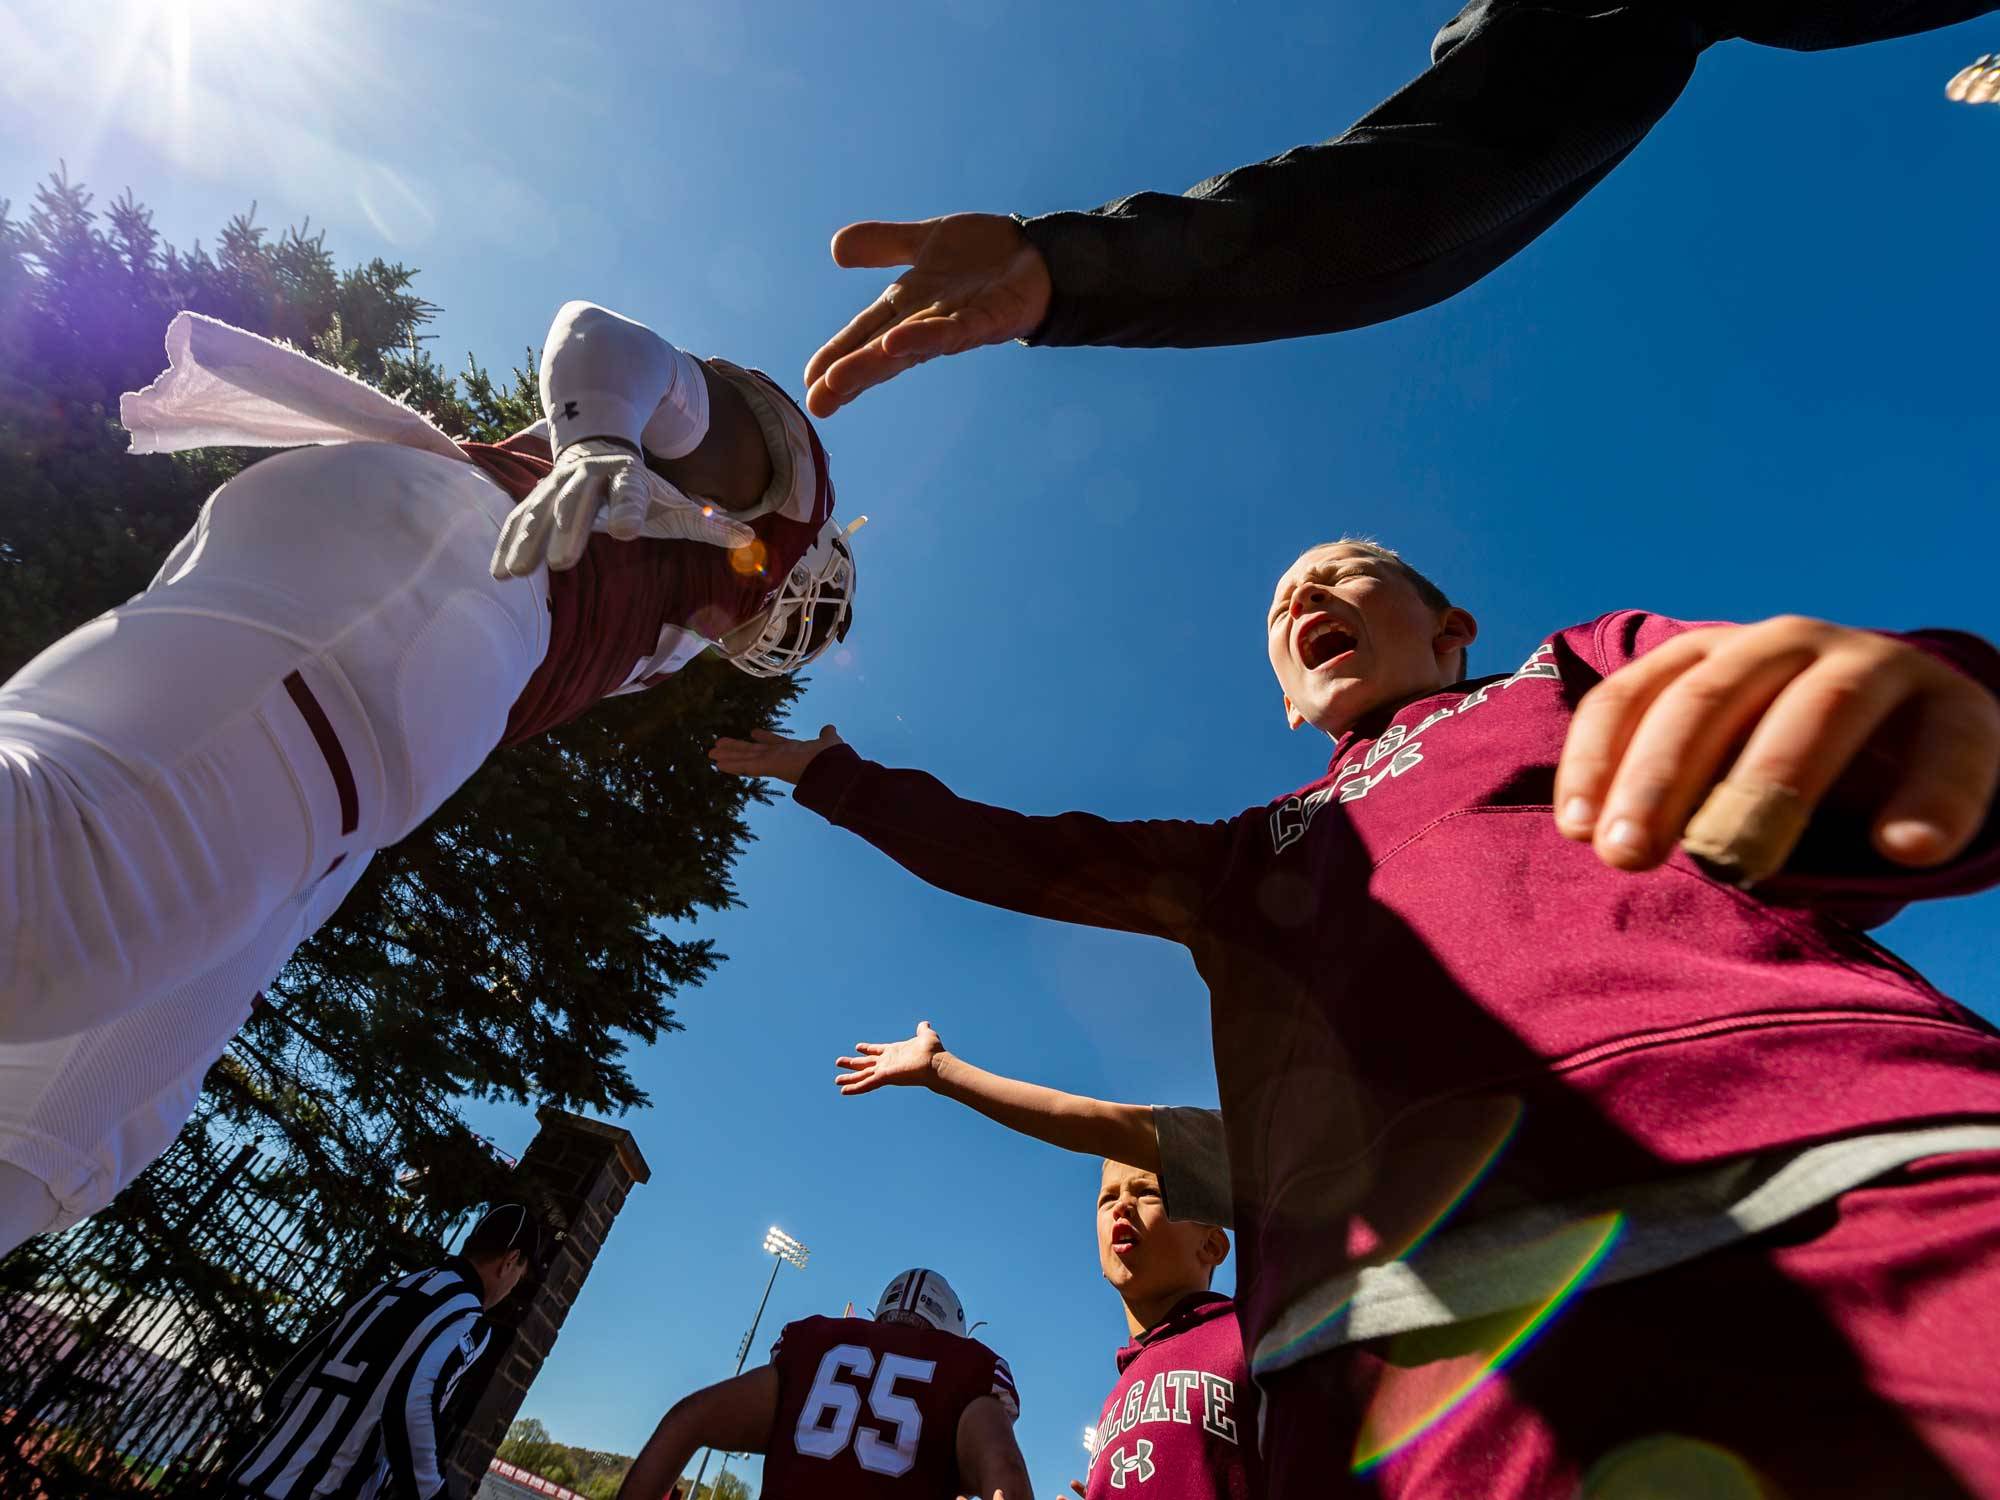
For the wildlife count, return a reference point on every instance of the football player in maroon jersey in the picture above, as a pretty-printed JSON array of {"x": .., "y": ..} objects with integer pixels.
[{"x": 905, "y": 1406}]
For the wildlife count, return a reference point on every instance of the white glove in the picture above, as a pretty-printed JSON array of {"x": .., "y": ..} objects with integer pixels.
[{"x": 600, "y": 485}]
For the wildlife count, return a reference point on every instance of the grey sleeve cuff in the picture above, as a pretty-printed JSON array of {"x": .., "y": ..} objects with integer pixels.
[{"x": 1194, "y": 1164}]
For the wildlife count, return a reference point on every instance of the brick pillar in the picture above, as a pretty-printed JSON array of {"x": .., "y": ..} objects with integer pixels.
[{"x": 577, "y": 1172}]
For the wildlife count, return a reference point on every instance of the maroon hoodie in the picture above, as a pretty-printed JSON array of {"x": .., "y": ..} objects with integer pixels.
[
  {"x": 1181, "y": 1423},
  {"x": 1412, "y": 974}
]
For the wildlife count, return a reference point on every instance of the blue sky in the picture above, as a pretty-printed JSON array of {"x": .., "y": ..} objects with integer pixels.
[{"x": 1752, "y": 373}]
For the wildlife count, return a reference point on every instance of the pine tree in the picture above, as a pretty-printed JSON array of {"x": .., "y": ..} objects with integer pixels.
[{"x": 513, "y": 946}]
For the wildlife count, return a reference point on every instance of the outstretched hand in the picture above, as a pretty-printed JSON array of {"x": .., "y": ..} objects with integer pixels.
[
  {"x": 974, "y": 279},
  {"x": 881, "y": 1064},
  {"x": 772, "y": 755},
  {"x": 1977, "y": 84},
  {"x": 1804, "y": 699}
]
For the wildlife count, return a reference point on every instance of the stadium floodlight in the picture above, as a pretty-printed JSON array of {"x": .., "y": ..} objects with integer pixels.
[
  {"x": 782, "y": 1245},
  {"x": 784, "y": 1251}
]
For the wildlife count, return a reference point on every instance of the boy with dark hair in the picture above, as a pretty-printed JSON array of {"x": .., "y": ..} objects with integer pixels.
[
  {"x": 1181, "y": 1420},
  {"x": 1468, "y": 1067}
]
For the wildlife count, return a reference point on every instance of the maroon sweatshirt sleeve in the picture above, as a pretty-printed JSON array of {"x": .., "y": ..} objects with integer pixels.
[
  {"x": 1153, "y": 877},
  {"x": 1836, "y": 870}
]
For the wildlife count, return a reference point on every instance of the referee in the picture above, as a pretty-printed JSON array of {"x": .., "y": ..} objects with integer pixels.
[{"x": 355, "y": 1413}]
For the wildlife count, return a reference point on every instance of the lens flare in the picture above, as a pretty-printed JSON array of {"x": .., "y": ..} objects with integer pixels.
[
  {"x": 1487, "y": 1133},
  {"x": 1437, "y": 1368},
  {"x": 1668, "y": 1464}
]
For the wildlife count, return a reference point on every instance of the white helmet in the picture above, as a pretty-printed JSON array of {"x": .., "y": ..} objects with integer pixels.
[
  {"x": 812, "y": 609},
  {"x": 921, "y": 1296}
]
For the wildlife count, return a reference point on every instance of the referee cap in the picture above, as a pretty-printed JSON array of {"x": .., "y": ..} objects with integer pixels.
[{"x": 508, "y": 1226}]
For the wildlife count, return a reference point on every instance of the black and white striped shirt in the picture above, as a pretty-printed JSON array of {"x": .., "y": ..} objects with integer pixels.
[{"x": 354, "y": 1414}]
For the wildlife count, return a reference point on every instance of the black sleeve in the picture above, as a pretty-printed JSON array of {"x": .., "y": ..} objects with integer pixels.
[{"x": 1526, "y": 107}]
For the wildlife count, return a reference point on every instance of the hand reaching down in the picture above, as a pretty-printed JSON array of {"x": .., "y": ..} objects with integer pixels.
[
  {"x": 1804, "y": 699},
  {"x": 974, "y": 279}
]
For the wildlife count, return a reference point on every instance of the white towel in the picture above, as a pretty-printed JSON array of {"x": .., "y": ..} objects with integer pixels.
[{"x": 224, "y": 387}]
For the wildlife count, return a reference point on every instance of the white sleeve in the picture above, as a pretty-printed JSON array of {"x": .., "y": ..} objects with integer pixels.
[{"x": 604, "y": 376}]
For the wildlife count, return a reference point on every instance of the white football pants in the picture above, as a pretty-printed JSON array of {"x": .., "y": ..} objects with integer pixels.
[{"x": 191, "y": 783}]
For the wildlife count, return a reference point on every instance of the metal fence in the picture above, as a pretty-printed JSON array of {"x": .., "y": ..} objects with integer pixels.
[{"x": 132, "y": 1346}]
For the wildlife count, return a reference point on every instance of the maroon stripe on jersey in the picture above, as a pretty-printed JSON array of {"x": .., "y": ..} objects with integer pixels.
[{"x": 330, "y": 747}]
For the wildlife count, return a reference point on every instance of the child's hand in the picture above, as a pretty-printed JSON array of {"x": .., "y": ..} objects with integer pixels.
[
  {"x": 772, "y": 755},
  {"x": 1649, "y": 741},
  {"x": 884, "y": 1063}
]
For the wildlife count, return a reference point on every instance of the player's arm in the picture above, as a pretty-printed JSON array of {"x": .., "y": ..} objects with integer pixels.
[
  {"x": 1075, "y": 1122},
  {"x": 1147, "y": 876},
  {"x": 1893, "y": 741},
  {"x": 734, "y": 1415},
  {"x": 615, "y": 394},
  {"x": 990, "y": 1464},
  {"x": 1524, "y": 110}
]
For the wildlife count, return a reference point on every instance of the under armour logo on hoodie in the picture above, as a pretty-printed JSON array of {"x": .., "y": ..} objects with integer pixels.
[{"x": 1139, "y": 1461}]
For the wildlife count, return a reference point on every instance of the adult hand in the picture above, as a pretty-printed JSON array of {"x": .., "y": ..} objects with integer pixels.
[
  {"x": 882, "y": 1064},
  {"x": 1648, "y": 742},
  {"x": 554, "y": 522},
  {"x": 1978, "y": 84},
  {"x": 772, "y": 755},
  {"x": 974, "y": 279}
]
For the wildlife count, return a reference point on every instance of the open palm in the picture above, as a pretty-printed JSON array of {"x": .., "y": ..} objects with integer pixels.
[
  {"x": 881, "y": 1064},
  {"x": 974, "y": 279}
]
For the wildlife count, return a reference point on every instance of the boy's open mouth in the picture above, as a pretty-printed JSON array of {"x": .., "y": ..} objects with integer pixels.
[
  {"x": 1322, "y": 641},
  {"x": 1124, "y": 1238}
]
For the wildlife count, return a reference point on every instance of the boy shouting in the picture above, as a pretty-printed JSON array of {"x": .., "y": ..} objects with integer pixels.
[
  {"x": 1181, "y": 1421},
  {"x": 1484, "y": 1037}
]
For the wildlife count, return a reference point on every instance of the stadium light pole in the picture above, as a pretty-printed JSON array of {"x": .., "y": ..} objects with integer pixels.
[{"x": 784, "y": 1251}]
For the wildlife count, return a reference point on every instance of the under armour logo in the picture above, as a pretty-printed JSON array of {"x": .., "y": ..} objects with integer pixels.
[
  {"x": 569, "y": 411},
  {"x": 1139, "y": 1461}
]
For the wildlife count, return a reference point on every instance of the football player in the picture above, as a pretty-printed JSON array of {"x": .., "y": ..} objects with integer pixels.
[
  {"x": 191, "y": 783},
  {"x": 907, "y": 1406}
]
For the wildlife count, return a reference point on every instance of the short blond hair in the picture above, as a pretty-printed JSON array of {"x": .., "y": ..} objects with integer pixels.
[{"x": 1431, "y": 594}]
